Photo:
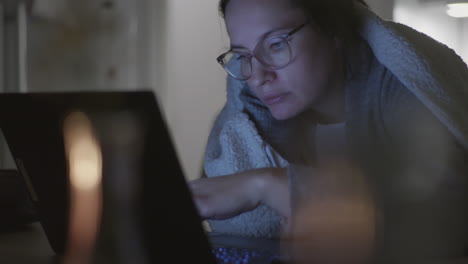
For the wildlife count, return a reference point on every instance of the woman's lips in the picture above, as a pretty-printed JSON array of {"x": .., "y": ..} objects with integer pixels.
[{"x": 274, "y": 99}]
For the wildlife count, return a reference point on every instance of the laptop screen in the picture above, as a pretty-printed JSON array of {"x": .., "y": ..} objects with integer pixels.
[{"x": 146, "y": 203}]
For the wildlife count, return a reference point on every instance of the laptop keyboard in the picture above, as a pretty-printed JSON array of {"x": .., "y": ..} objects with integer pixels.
[{"x": 243, "y": 256}]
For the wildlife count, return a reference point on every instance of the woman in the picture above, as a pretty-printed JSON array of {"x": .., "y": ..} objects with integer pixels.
[{"x": 328, "y": 83}]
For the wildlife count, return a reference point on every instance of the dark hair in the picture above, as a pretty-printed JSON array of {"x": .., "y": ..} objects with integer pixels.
[{"x": 335, "y": 18}]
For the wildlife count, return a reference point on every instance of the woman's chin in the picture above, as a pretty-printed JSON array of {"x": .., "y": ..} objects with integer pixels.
[{"x": 282, "y": 113}]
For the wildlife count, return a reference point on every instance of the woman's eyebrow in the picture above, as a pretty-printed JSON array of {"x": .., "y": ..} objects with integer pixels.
[
  {"x": 233, "y": 47},
  {"x": 273, "y": 32}
]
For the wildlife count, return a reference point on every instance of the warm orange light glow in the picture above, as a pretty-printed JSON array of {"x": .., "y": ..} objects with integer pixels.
[
  {"x": 337, "y": 221},
  {"x": 85, "y": 163},
  {"x": 85, "y": 171}
]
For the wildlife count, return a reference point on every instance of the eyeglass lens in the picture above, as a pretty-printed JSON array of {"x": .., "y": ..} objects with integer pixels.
[{"x": 272, "y": 52}]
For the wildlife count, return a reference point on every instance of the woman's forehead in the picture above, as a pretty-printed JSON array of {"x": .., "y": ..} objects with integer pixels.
[
  {"x": 252, "y": 19},
  {"x": 262, "y": 8}
]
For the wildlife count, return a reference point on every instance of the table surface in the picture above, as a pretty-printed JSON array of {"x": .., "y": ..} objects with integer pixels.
[{"x": 28, "y": 244}]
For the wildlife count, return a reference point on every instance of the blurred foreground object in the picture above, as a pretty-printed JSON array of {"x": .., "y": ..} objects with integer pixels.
[
  {"x": 336, "y": 221},
  {"x": 122, "y": 236},
  {"x": 104, "y": 213},
  {"x": 85, "y": 174}
]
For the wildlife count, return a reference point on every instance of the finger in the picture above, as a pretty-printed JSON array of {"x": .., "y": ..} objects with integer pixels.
[
  {"x": 195, "y": 184},
  {"x": 204, "y": 209}
]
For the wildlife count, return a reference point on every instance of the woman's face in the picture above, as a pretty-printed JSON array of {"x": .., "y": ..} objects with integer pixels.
[{"x": 311, "y": 77}]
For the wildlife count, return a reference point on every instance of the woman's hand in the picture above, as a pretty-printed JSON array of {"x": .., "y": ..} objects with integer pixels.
[{"x": 227, "y": 196}]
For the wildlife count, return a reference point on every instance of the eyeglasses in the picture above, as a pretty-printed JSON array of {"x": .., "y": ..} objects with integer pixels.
[{"x": 273, "y": 52}]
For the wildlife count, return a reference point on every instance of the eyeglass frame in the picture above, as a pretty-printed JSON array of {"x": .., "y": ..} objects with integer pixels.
[{"x": 286, "y": 36}]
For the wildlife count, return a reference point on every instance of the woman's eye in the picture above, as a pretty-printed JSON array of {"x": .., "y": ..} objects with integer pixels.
[
  {"x": 277, "y": 45},
  {"x": 239, "y": 56}
]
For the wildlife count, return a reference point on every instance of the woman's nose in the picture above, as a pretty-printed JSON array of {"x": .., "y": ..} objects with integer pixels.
[{"x": 260, "y": 74}]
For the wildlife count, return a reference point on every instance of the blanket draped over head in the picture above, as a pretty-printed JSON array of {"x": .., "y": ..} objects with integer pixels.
[{"x": 245, "y": 136}]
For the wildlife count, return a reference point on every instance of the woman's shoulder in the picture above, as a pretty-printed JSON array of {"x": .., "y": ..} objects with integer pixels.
[
  {"x": 402, "y": 117},
  {"x": 373, "y": 88}
]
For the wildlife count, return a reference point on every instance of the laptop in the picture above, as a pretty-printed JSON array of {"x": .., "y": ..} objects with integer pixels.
[{"x": 166, "y": 225}]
